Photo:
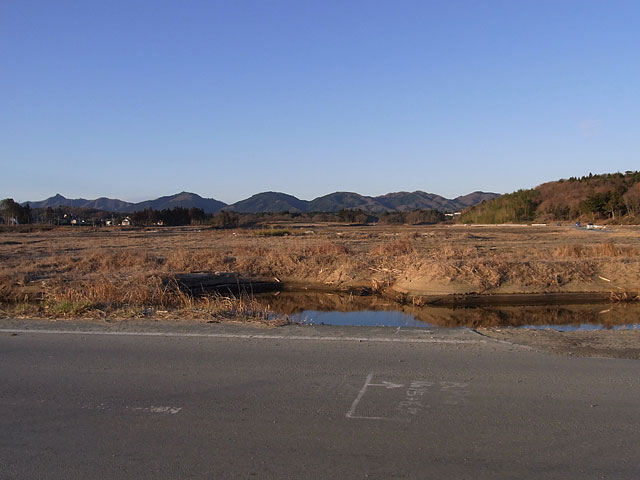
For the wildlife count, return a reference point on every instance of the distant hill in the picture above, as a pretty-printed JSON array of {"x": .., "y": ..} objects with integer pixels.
[
  {"x": 337, "y": 201},
  {"x": 101, "y": 203},
  {"x": 474, "y": 198},
  {"x": 269, "y": 202},
  {"x": 614, "y": 196},
  {"x": 404, "y": 201},
  {"x": 281, "y": 202},
  {"x": 183, "y": 199}
]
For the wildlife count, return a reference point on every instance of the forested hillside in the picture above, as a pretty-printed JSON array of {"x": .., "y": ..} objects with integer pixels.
[{"x": 613, "y": 196}]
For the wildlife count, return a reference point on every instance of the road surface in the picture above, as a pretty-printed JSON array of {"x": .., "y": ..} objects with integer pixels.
[{"x": 90, "y": 401}]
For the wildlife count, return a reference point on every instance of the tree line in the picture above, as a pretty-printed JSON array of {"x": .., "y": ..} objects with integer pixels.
[
  {"x": 12, "y": 212},
  {"x": 229, "y": 219}
]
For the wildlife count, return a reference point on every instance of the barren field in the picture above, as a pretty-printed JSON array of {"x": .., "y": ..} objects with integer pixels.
[{"x": 127, "y": 272}]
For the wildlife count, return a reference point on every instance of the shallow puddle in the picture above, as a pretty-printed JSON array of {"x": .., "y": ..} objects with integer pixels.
[
  {"x": 345, "y": 309},
  {"x": 365, "y": 318}
]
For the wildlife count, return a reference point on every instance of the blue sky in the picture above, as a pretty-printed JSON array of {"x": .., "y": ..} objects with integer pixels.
[{"x": 137, "y": 99}]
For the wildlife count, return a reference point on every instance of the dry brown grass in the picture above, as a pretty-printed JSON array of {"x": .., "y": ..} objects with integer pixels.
[
  {"x": 602, "y": 250},
  {"x": 114, "y": 269},
  {"x": 393, "y": 249},
  {"x": 137, "y": 296}
]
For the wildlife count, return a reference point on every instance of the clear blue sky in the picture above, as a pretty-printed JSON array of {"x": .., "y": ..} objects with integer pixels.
[{"x": 137, "y": 99}]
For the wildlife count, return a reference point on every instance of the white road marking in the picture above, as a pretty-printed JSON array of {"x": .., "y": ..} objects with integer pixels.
[
  {"x": 246, "y": 336},
  {"x": 151, "y": 409},
  {"x": 456, "y": 393},
  {"x": 352, "y": 410},
  {"x": 451, "y": 393},
  {"x": 158, "y": 409},
  {"x": 367, "y": 384},
  {"x": 386, "y": 385},
  {"x": 413, "y": 401}
]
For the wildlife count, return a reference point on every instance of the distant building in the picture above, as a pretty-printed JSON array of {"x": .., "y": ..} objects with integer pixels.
[{"x": 126, "y": 222}]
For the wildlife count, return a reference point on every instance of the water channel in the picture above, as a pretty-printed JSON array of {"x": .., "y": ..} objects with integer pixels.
[{"x": 347, "y": 309}]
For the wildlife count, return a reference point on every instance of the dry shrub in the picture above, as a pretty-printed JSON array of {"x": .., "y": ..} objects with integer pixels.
[
  {"x": 448, "y": 251},
  {"x": 8, "y": 292},
  {"x": 486, "y": 274},
  {"x": 624, "y": 297},
  {"x": 115, "y": 291},
  {"x": 395, "y": 248},
  {"x": 243, "y": 307},
  {"x": 150, "y": 291},
  {"x": 189, "y": 261},
  {"x": 492, "y": 272},
  {"x": 269, "y": 262},
  {"x": 379, "y": 286},
  {"x": 461, "y": 264},
  {"x": 569, "y": 251},
  {"x": 101, "y": 260},
  {"x": 546, "y": 274},
  {"x": 607, "y": 249},
  {"x": 295, "y": 259},
  {"x": 481, "y": 273},
  {"x": 325, "y": 249}
]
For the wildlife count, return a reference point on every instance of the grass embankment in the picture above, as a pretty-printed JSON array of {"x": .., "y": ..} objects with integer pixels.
[{"x": 70, "y": 272}]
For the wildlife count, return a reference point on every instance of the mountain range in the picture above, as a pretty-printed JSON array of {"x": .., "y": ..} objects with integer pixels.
[{"x": 280, "y": 202}]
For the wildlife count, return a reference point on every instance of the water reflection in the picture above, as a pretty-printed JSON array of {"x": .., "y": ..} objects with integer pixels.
[
  {"x": 365, "y": 318},
  {"x": 344, "y": 309}
]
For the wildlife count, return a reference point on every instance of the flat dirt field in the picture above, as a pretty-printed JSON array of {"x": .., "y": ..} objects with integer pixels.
[
  {"x": 126, "y": 272},
  {"x": 80, "y": 268},
  {"x": 439, "y": 260}
]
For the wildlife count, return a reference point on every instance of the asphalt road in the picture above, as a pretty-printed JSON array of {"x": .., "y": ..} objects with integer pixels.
[{"x": 212, "y": 401}]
